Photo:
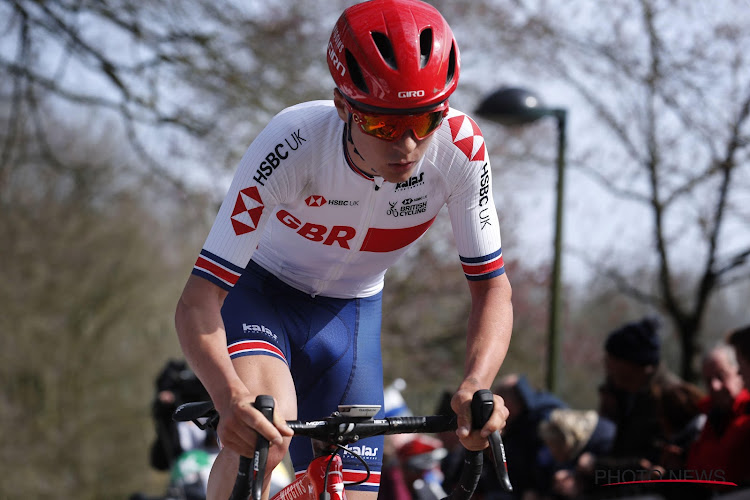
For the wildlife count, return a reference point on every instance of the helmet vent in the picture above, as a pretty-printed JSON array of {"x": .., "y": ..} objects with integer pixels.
[
  {"x": 355, "y": 72},
  {"x": 451, "y": 65},
  {"x": 425, "y": 47},
  {"x": 385, "y": 48}
]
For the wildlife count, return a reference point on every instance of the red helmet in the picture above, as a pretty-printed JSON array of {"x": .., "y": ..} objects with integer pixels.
[{"x": 393, "y": 54}]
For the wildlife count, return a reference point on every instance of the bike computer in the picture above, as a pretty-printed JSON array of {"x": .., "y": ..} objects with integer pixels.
[{"x": 359, "y": 410}]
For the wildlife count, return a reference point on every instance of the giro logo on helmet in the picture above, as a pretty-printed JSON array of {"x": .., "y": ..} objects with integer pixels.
[
  {"x": 335, "y": 45},
  {"x": 411, "y": 93}
]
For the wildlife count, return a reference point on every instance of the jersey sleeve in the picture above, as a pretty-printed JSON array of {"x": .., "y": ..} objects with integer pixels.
[
  {"x": 267, "y": 175},
  {"x": 471, "y": 204}
]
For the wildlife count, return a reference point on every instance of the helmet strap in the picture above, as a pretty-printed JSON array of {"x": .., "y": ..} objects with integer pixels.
[
  {"x": 349, "y": 130},
  {"x": 349, "y": 138}
]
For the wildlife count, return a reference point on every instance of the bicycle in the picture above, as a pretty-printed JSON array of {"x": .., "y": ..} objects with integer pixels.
[{"x": 323, "y": 478}]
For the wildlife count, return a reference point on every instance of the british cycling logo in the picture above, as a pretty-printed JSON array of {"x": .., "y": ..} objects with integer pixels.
[
  {"x": 409, "y": 206},
  {"x": 648, "y": 476},
  {"x": 247, "y": 211}
]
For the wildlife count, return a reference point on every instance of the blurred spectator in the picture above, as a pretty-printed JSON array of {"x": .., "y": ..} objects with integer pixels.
[
  {"x": 176, "y": 384},
  {"x": 723, "y": 445},
  {"x": 528, "y": 407},
  {"x": 420, "y": 460},
  {"x": 569, "y": 435},
  {"x": 638, "y": 396},
  {"x": 411, "y": 462},
  {"x": 681, "y": 419},
  {"x": 392, "y": 481},
  {"x": 634, "y": 379},
  {"x": 393, "y": 399},
  {"x": 677, "y": 410},
  {"x": 740, "y": 340}
]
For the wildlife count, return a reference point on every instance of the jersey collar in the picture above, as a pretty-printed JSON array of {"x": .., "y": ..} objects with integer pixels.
[{"x": 349, "y": 160}]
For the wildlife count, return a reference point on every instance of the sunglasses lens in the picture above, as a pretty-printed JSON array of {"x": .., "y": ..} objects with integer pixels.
[
  {"x": 381, "y": 126},
  {"x": 427, "y": 123},
  {"x": 391, "y": 127}
]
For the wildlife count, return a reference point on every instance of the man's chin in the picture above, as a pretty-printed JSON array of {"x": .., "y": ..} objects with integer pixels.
[{"x": 396, "y": 174}]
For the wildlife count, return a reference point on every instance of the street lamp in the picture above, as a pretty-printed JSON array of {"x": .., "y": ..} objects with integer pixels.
[{"x": 514, "y": 107}]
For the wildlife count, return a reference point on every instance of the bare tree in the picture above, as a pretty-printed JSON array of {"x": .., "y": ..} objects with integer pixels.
[
  {"x": 189, "y": 82},
  {"x": 665, "y": 101},
  {"x": 87, "y": 294}
]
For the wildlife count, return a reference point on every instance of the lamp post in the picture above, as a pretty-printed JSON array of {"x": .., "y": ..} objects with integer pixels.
[{"x": 514, "y": 107}]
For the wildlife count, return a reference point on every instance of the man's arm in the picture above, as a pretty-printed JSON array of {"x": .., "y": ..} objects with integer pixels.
[
  {"x": 203, "y": 340},
  {"x": 488, "y": 338}
]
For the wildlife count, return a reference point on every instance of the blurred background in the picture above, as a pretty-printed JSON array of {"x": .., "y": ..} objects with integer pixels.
[{"x": 121, "y": 123}]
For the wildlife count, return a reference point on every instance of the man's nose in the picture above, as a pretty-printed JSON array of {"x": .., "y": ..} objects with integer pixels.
[
  {"x": 716, "y": 384},
  {"x": 408, "y": 142}
]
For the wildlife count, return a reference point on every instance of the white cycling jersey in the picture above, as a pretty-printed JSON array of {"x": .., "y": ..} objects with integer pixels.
[{"x": 301, "y": 210}]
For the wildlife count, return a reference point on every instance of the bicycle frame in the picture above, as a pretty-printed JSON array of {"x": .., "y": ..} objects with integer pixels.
[{"x": 320, "y": 476}]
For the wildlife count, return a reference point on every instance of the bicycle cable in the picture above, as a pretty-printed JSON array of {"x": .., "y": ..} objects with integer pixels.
[{"x": 351, "y": 452}]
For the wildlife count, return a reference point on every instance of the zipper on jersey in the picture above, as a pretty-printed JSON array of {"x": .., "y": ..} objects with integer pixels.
[{"x": 368, "y": 213}]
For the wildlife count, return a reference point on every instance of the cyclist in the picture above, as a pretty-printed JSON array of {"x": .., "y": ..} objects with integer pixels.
[{"x": 285, "y": 297}]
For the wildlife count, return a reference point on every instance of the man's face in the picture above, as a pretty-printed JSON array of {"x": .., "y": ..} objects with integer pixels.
[
  {"x": 744, "y": 369},
  {"x": 625, "y": 375},
  {"x": 722, "y": 379},
  {"x": 394, "y": 161}
]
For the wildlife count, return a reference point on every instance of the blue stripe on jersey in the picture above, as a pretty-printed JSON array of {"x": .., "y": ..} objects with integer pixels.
[
  {"x": 213, "y": 279},
  {"x": 223, "y": 262},
  {"x": 486, "y": 276},
  {"x": 484, "y": 258}
]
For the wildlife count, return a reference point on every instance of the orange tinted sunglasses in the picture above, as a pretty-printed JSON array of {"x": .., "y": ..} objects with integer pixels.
[{"x": 391, "y": 126}]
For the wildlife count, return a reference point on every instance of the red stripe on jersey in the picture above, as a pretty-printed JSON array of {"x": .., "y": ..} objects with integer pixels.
[
  {"x": 353, "y": 476},
  {"x": 218, "y": 271},
  {"x": 477, "y": 269},
  {"x": 255, "y": 345},
  {"x": 388, "y": 240}
]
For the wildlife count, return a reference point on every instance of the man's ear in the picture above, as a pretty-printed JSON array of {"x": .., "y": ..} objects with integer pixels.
[{"x": 340, "y": 103}]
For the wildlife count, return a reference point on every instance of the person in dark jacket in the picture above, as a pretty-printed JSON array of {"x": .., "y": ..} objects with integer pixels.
[
  {"x": 634, "y": 379},
  {"x": 176, "y": 384},
  {"x": 637, "y": 395}
]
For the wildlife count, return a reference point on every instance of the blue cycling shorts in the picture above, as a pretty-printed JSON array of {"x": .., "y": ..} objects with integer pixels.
[{"x": 332, "y": 349}]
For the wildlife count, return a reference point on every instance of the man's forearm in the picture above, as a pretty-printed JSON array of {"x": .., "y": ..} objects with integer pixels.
[
  {"x": 489, "y": 333},
  {"x": 200, "y": 331}
]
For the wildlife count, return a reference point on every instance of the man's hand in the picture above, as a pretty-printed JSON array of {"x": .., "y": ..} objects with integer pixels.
[
  {"x": 240, "y": 422},
  {"x": 461, "y": 404}
]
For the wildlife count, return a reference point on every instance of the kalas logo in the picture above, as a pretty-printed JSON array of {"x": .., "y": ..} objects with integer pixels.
[
  {"x": 315, "y": 201},
  {"x": 247, "y": 211}
]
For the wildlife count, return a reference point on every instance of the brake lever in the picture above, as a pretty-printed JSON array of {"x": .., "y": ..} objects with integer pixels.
[
  {"x": 264, "y": 404},
  {"x": 482, "y": 406},
  {"x": 252, "y": 470}
]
